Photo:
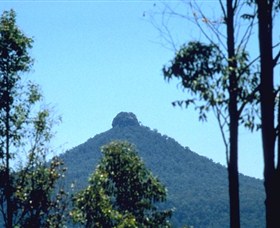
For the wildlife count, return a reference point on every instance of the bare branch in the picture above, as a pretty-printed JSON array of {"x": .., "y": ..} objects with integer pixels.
[
  {"x": 223, "y": 8},
  {"x": 164, "y": 33},
  {"x": 218, "y": 114},
  {"x": 163, "y": 26},
  {"x": 210, "y": 25},
  {"x": 235, "y": 5},
  {"x": 275, "y": 60},
  {"x": 168, "y": 36},
  {"x": 247, "y": 34}
]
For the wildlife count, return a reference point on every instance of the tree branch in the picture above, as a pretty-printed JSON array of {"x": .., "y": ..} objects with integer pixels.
[
  {"x": 209, "y": 24},
  {"x": 218, "y": 115},
  {"x": 247, "y": 67},
  {"x": 247, "y": 34},
  {"x": 223, "y": 8},
  {"x": 248, "y": 100},
  {"x": 275, "y": 60}
]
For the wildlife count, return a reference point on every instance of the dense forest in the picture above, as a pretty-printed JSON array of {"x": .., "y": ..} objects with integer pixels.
[{"x": 197, "y": 187}]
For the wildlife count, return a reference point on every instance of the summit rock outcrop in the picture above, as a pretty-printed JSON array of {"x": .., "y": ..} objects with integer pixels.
[{"x": 124, "y": 119}]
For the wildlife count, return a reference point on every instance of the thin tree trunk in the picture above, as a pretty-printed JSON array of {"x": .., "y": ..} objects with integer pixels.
[
  {"x": 234, "y": 180},
  {"x": 233, "y": 113},
  {"x": 267, "y": 98},
  {"x": 7, "y": 151}
]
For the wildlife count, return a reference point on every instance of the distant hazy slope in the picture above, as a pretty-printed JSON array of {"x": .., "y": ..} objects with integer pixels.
[{"x": 197, "y": 187}]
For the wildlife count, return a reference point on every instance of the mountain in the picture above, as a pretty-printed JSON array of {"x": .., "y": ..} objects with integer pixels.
[{"x": 197, "y": 187}]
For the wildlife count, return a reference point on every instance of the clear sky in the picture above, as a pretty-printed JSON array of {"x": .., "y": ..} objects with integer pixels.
[{"x": 94, "y": 59}]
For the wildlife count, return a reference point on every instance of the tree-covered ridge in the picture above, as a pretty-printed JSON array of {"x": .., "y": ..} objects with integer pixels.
[{"x": 197, "y": 187}]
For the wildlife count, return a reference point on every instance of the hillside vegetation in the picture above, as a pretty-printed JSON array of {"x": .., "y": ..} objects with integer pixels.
[{"x": 197, "y": 187}]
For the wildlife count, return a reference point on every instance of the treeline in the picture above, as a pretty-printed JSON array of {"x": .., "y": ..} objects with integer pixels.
[{"x": 197, "y": 187}]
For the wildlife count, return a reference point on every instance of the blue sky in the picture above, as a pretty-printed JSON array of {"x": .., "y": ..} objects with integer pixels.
[{"x": 94, "y": 59}]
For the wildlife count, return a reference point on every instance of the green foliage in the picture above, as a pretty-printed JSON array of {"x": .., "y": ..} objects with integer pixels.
[
  {"x": 94, "y": 209},
  {"x": 196, "y": 65},
  {"x": 204, "y": 74},
  {"x": 28, "y": 190},
  {"x": 14, "y": 46},
  {"x": 14, "y": 60},
  {"x": 197, "y": 187},
  {"x": 33, "y": 194},
  {"x": 122, "y": 192}
]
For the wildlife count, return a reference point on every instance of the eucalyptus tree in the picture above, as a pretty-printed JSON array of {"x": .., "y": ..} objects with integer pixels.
[
  {"x": 270, "y": 106},
  {"x": 27, "y": 182},
  {"x": 218, "y": 76},
  {"x": 121, "y": 192}
]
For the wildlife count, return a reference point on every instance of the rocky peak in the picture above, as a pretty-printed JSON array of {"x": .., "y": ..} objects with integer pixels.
[{"x": 124, "y": 119}]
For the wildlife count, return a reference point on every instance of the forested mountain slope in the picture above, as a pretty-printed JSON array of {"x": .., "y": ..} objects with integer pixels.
[{"x": 197, "y": 187}]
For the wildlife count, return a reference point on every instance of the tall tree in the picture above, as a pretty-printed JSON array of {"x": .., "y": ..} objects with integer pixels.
[
  {"x": 27, "y": 182},
  {"x": 122, "y": 192},
  {"x": 14, "y": 59},
  {"x": 233, "y": 115},
  {"x": 269, "y": 99},
  {"x": 219, "y": 78}
]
